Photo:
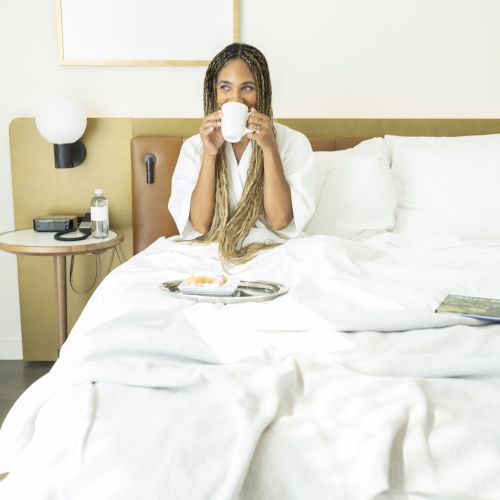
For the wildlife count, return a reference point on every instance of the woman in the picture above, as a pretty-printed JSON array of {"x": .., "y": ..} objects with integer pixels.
[{"x": 249, "y": 195}]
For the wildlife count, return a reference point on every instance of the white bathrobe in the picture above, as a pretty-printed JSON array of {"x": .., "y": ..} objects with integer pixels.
[{"x": 297, "y": 158}]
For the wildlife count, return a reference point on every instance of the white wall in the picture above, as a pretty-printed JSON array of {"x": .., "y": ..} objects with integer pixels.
[{"x": 328, "y": 58}]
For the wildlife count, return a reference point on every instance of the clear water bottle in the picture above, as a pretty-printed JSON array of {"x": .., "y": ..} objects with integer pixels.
[{"x": 99, "y": 215}]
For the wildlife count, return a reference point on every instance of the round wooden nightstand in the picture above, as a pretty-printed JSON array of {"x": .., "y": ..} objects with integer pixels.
[{"x": 30, "y": 242}]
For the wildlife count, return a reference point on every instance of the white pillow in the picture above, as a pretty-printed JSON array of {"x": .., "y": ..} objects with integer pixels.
[
  {"x": 393, "y": 141},
  {"x": 447, "y": 186},
  {"x": 354, "y": 194}
]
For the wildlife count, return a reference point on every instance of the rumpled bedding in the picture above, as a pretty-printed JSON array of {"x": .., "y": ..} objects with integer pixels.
[{"x": 349, "y": 386}]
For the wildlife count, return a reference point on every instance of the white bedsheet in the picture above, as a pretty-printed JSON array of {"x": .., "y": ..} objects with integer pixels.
[{"x": 347, "y": 387}]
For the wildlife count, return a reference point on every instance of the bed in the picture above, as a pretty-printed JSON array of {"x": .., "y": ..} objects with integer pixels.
[{"x": 348, "y": 387}]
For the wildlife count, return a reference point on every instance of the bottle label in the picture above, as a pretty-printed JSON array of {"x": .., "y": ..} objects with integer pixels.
[{"x": 98, "y": 213}]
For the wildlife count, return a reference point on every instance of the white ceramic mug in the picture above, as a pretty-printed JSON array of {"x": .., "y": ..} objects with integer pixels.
[{"x": 234, "y": 121}]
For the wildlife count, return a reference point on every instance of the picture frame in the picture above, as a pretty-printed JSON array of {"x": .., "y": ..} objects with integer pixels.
[{"x": 144, "y": 32}]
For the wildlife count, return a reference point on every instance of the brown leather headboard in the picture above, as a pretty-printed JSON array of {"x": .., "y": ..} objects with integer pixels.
[{"x": 150, "y": 216}]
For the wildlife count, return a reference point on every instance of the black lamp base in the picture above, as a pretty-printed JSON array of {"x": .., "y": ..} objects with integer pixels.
[{"x": 69, "y": 155}]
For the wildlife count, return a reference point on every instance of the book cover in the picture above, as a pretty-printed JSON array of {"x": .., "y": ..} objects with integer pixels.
[{"x": 473, "y": 307}]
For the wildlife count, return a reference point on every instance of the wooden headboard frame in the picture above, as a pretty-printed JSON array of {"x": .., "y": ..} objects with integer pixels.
[
  {"x": 164, "y": 137},
  {"x": 150, "y": 216}
]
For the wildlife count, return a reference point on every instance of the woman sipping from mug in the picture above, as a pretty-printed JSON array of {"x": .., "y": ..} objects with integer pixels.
[{"x": 250, "y": 194}]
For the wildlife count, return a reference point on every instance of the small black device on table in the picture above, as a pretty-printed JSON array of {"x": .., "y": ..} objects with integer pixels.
[{"x": 63, "y": 225}]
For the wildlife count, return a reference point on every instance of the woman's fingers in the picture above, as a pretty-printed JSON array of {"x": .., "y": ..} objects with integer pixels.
[
  {"x": 255, "y": 115},
  {"x": 211, "y": 120},
  {"x": 210, "y": 132},
  {"x": 258, "y": 121},
  {"x": 211, "y": 125},
  {"x": 262, "y": 129},
  {"x": 213, "y": 117},
  {"x": 258, "y": 126},
  {"x": 208, "y": 128}
]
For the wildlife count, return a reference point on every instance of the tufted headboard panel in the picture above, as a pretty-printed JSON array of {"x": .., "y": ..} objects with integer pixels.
[{"x": 150, "y": 216}]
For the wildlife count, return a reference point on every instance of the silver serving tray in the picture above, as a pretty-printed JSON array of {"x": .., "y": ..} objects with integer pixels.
[{"x": 247, "y": 291}]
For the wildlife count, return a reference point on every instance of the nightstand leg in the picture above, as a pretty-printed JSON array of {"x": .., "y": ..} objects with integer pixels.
[{"x": 62, "y": 323}]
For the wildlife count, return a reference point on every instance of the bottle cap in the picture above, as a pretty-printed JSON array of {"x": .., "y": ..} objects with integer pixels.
[{"x": 98, "y": 191}]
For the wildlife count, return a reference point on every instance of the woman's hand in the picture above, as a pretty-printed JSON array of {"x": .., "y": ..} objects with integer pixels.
[
  {"x": 262, "y": 127},
  {"x": 210, "y": 133}
]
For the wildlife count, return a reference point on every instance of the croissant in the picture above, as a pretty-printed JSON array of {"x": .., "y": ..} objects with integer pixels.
[{"x": 203, "y": 280}]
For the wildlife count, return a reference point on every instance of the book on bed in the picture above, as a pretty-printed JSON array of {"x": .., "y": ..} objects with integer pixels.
[{"x": 473, "y": 307}]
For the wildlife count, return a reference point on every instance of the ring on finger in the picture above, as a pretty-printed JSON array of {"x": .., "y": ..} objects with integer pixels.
[{"x": 256, "y": 129}]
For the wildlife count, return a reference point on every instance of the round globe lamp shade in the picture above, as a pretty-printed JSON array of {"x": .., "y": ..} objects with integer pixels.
[{"x": 61, "y": 121}]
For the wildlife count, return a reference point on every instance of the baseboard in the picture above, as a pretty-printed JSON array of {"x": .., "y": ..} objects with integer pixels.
[{"x": 11, "y": 349}]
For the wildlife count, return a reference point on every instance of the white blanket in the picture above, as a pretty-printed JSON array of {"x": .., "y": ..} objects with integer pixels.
[{"x": 154, "y": 397}]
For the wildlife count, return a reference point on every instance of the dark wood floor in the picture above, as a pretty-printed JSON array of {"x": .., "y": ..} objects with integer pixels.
[{"x": 15, "y": 377}]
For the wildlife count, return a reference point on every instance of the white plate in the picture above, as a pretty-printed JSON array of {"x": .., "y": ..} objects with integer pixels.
[
  {"x": 247, "y": 291},
  {"x": 225, "y": 290}
]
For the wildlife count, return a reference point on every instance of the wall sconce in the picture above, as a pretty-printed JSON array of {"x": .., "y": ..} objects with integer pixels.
[
  {"x": 62, "y": 122},
  {"x": 149, "y": 159}
]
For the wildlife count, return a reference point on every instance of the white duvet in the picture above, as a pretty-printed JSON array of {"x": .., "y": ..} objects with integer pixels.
[{"x": 348, "y": 387}]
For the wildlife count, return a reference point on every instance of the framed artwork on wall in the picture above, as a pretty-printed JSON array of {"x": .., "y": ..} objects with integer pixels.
[{"x": 144, "y": 32}]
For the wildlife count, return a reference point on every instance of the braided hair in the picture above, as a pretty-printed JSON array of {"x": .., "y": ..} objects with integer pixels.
[{"x": 230, "y": 231}]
